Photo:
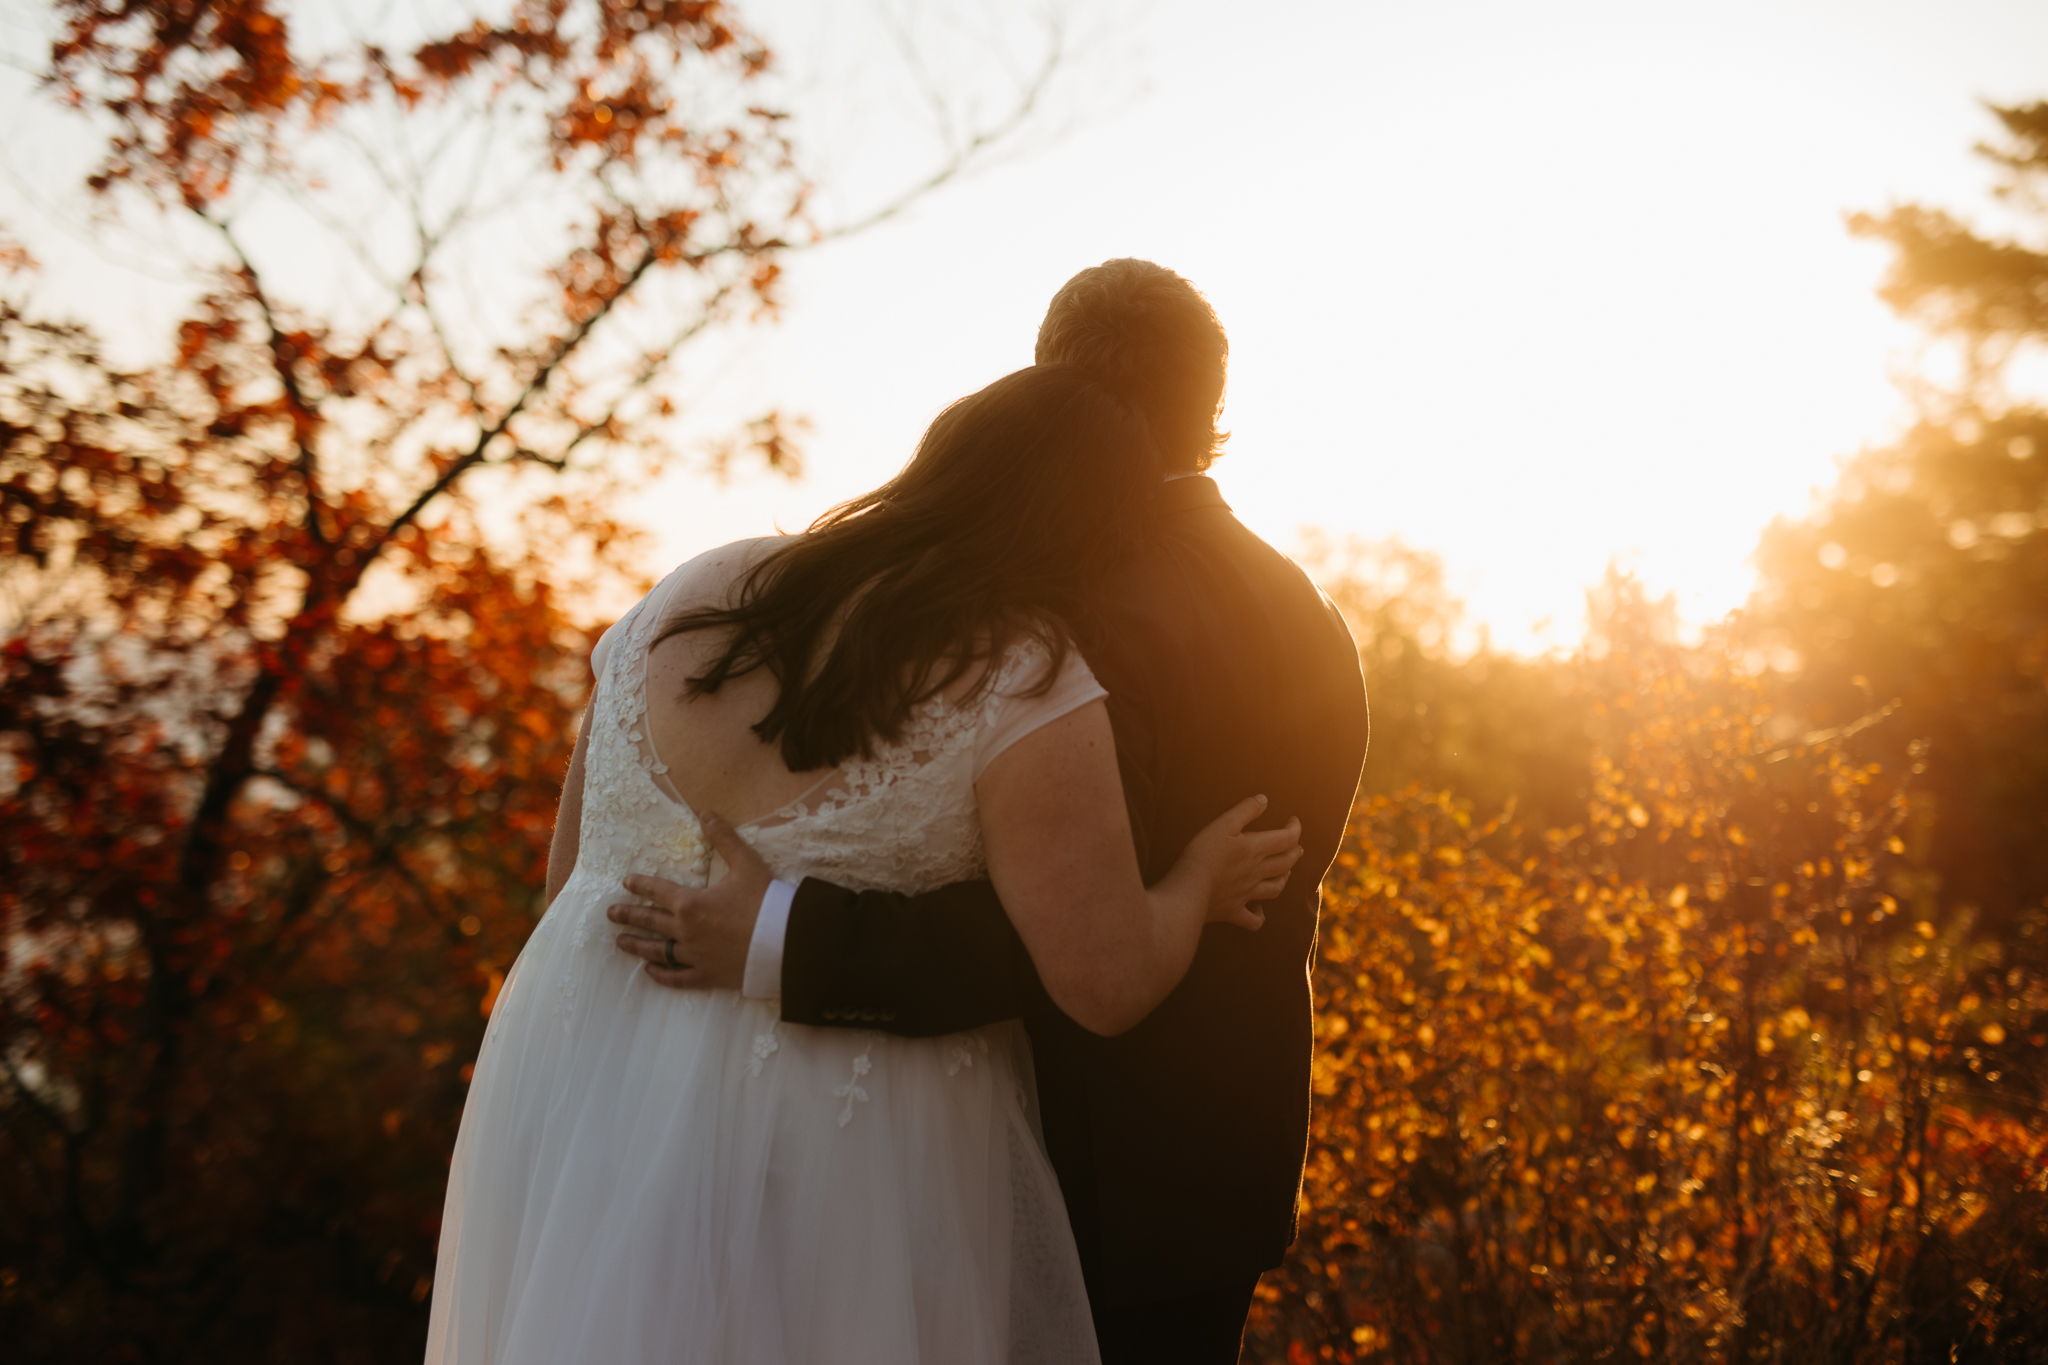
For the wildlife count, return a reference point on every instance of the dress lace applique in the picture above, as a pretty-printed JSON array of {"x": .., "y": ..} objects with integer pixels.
[
  {"x": 624, "y": 828},
  {"x": 853, "y": 1090},
  {"x": 960, "y": 1052},
  {"x": 565, "y": 1001},
  {"x": 765, "y": 1046}
]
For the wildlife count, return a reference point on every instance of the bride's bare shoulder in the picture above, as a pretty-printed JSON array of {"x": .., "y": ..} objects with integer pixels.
[
  {"x": 709, "y": 578},
  {"x": 733, "y": 557}
]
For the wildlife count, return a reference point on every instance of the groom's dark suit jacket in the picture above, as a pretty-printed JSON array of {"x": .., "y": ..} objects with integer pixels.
[{"x": 1178, "y": 1144}]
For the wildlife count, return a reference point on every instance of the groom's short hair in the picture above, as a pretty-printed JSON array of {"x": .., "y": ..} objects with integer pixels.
[{"x": 1150, "y": 337}]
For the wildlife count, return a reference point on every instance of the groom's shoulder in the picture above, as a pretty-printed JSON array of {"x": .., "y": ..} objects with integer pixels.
[
  {"x": 1209, "y": 581},
  {"x": 1195, "y": 515},
  {"x": 1234, "y": 552}
]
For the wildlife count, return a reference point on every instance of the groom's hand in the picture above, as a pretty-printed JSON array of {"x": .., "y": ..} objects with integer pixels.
[{"x": 712, "y": 927}]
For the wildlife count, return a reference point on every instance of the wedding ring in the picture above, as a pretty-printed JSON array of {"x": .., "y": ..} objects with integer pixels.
[{"x": 668, "y": 954}]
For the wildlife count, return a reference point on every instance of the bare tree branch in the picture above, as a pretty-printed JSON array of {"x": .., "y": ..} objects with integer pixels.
[
  {"x": 964, "y": 154},
  {"x": 283, "y": 357}
]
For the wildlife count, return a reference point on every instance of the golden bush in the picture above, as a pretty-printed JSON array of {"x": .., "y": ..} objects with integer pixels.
[{"x": 1705, "y": 1077}]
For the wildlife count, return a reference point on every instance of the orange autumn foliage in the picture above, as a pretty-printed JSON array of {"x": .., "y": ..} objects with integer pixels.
[
  {"x": 1691, "y": 1080},
  {"x": 287, "y": 692}
]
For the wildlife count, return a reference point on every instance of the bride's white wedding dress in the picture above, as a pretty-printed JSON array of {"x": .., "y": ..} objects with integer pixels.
[{"x": 650, "y": 1175}]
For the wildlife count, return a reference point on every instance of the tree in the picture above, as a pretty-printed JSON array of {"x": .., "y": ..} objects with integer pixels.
[
  {"x": 290, "y": 678},
  {"x": 1918, "y": 591}
]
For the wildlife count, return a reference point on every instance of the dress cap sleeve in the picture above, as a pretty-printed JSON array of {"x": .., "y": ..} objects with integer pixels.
[{"x": 1016, "y": 713}]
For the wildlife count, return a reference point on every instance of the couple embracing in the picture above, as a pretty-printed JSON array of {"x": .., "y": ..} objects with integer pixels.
[{"x": 985, "y": 1036}]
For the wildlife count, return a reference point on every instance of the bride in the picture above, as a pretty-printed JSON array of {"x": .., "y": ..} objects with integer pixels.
[{"x": 893, "y": 698}]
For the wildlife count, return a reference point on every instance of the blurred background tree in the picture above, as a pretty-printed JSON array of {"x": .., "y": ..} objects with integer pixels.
[
  {"x": 1449, "y": 711},
  {"x": 288, "y": 681},
  {"x": 1921, "y": 583}
]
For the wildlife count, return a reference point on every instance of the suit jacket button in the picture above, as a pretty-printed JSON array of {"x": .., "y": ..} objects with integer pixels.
[{"x": 888, "y": 1016}]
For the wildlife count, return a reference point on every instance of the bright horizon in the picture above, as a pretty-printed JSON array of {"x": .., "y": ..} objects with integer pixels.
[{"x": 1533, "y": 288}]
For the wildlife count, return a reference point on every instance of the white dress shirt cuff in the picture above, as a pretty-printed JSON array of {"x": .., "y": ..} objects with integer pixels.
[{"x": 763, "y": 977}]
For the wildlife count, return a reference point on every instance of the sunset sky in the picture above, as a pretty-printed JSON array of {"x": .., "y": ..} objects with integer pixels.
[
  {"x": 1530, "y": 285},
  {"x": 1535, "y": 286}
]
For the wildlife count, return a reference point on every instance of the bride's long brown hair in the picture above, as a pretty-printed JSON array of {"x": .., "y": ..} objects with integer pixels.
[{"x": 1016, "y": 498}]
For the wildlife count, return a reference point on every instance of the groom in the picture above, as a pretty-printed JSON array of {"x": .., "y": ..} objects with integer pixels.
[{"x": 1179, "y": 1143}]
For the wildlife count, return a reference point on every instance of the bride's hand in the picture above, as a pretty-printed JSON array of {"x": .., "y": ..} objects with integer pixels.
[{"x": 1240, "y": 865}]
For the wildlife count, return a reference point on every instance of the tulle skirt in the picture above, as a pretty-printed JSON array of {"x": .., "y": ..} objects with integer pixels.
[{"x": 649, "y": 1175}]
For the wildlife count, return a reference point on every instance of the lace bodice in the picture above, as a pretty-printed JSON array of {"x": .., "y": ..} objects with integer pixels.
[{"x": 903, "y": 820}]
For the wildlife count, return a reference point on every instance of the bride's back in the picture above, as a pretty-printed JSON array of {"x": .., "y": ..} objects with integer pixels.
[
  {"x": 706, "y": 741},
  {"x": 715, "y": 760}
]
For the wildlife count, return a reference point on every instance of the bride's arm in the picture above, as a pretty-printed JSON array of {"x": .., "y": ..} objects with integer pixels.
[
  {"x": 1107, "y": 948},
  {"x": 568, "y": 816}
]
